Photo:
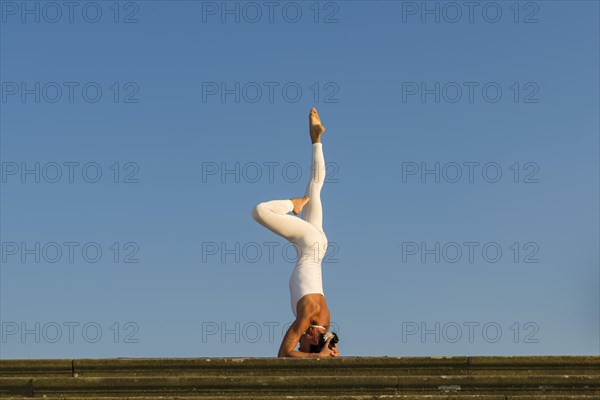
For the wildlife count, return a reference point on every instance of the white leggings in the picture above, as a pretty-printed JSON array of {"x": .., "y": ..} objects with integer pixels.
[{"x": 306, "y": 233}]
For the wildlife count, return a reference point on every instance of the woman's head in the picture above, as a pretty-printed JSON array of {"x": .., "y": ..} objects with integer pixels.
[{"x": 311, "y": 339}]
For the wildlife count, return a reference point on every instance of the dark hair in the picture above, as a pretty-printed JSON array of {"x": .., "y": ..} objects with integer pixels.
[{"x": 316, "y": 348}]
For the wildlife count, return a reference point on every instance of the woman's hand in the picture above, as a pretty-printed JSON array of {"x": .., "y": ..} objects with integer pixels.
[{"x": 327, "y": 352}]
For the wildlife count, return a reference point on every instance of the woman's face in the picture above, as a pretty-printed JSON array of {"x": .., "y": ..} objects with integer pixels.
[{"x": 308, "y": 338}]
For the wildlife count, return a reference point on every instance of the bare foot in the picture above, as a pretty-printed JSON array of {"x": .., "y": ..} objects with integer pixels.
[
  {"x": 316, "y": 128},
  {"x": 299, "y": 203}
]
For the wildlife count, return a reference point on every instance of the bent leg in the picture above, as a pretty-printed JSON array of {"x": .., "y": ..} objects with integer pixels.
[
  {"x": 273, "y": 215},
  {"x": 313, "y": 211}
]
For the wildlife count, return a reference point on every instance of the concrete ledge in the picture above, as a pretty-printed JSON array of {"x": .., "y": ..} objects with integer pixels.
[
  {"x": 336, "y": 397},
  {"x": 342, "y": 397},
  {"x": 381, "y": 366},
  {"x": 489, "y": 378},
  {"x": 36, "y": 367},
  {"x": 539, "y": 364},
  {"x": 382, "y": 384},
  {"x": 16, "y": 386},
  {"x": 385, "y": 366}
]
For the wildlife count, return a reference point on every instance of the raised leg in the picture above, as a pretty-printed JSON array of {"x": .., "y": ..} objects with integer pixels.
[
  {"x": 274, "y": 214},
  {"x": 313, "y": 212}
]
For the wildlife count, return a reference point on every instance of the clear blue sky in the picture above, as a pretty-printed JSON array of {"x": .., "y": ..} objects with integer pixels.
[{"x": 462, "y": 203}]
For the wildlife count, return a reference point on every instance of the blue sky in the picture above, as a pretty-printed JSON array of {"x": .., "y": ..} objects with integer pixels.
[{"x": 462, "y": 201}]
